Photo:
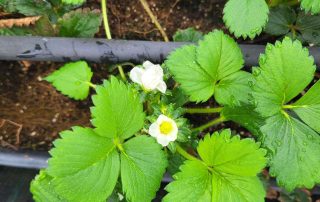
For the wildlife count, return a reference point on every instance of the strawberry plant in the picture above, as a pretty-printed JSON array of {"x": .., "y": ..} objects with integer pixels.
[
  {"x": 139, "y": 130},
  {"x": 48, "y": 18},
  {"x": 285, "y": 20},
  {"x": 248, "y": 18}
]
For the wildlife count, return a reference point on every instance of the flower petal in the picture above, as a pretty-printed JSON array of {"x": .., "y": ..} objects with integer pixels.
[
  {"x": 150, "y": 79},
  {"x": 162, "y": 87},
  {"x": 162, "y": 118},
  {"x": 163, "y": 141},
  {"x": 147, "y": 64},
  {"x": 154, "y": 130},
  {"x": 136, "y": 75},
  {"x": 158, "y": 69}
]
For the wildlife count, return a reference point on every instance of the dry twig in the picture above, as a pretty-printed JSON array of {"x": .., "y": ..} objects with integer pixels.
[{"x": 20, "y": 22}]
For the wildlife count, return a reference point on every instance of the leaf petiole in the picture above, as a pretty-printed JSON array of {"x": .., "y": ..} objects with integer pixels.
[
  {"x": 203, "y": 110},
  {"x": 118, "y": 144},
  {"x": 209, "y": 124},
  {"x": 293, "y": 106},
  {"x": 92, "y": 85},
  {"x": 105, "y": 18},
  {"x": 188, "y": 156},
  {"x": 185, "y": 154},
  {"x": 108, "y": 33}
]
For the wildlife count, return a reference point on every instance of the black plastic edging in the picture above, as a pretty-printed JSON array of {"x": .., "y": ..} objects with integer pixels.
[
  {"x": 23, "y": 159},
  {"x": 105, "y": 51},
  {"x": 92, "y": 50}
]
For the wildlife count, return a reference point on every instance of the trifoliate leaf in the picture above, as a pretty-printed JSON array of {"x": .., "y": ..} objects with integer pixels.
[
  {"x": 73, "y": 79},
  {"x": 295, "y": 152},
  {"x": 308, "y": 107},
  {"x": 245, "y": 115},
  {"x": 285, "y": 70},
  {"x": 117, "y": 110},
  {"x": 226, "y": 154},
  {"x": 227, "y": 173},
  {"x": 234, "y": 89},
  {"x": 74, "y": 2},
  {"x": 80, "y": 23},
  {"x": 84, "y": 165},
  {"x": 246, "y": 18},
  {"x": 199, "y": 68},
  {"x": 309, "y": 28},
  {"x": 311, "y": 5},
  {"x": 42, "y": 189},
  {"x": 193, "y": 183},
  {"x": 143, "y": 164},
  {"x": 187, "y": 35},
  {"x": 280, "y": 20}
]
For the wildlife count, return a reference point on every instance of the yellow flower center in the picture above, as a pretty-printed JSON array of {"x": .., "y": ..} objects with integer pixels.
[{"x": 166, "y": 127}]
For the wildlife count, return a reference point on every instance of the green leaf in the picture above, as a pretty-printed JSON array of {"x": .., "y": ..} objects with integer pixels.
[
  {"x": 143, "y": 164},
  {"x": 308, "y": 107},
  {"x": 73, "y": 80},
  {"x": 84, "y": 165},
  {"x": 117, "y": 110},
  {"x": 199, "y": 68},
  {"x": 187, "y": 35},
  {"x": 42, "y": 189},
  {"x": 226, "y": 154},
  {"x": 280, "y": 20},
  {"x": 74, "y": 2},
  {"x": 251, "y": 16},
  {"x": 237, "y": 188},
  {"x": 227, "y": 173},
  {"x": 295, "y": 152},
  {"x": 193, "y": 183},
  {"x": 80, "y": 23},
  {"x": 309, "y": 27},
  {"x": 311, "y": 5},
  {"x": 285, "y": 70},
  {"x": 15, "y": 31},
  {"x": 234, "y": 89},
  {"x": 194, "y": 81},
  {"x": 31, "y": 7},
  {"x": 245, "y": 115},
  {"x": 219, "y": 55}
]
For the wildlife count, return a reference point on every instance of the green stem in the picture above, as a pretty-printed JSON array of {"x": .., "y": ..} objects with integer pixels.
[
  {"x": 188, "y": 156},
  {"x": 293, "y": 106},
  {"x": 108, "y": 32},
  {"x": 118, "y": 144},
  {"x": 105, "y": 18},
  {"x": 120, "y": 69},
  {"x": 209, "y": 124},
  {"x": 203, "y": 110},
  {"x": 185, "y": 154},
  {"x": 92, "y": 85}
]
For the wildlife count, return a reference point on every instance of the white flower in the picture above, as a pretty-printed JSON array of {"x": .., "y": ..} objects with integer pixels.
[
  {"x": 150, "y": 77},
  {"x": 165, "y": 130}
]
